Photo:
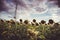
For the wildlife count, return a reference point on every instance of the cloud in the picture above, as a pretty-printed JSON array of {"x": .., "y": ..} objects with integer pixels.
[
  {"x": 3, "y": 6},
  {"x": 28, "y": 7},
  {"x": 56, "y": 2},
  {"x": 36, "y": 6},
  {"x": 54, "y": 13},
  {"x": 19, "y": 2}
]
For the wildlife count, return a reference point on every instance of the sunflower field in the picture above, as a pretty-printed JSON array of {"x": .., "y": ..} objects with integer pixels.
[{"x": 10, "y": 30}]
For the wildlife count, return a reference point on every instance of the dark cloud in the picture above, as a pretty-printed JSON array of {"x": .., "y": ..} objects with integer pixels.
[
  {"x": 3, "y": 6},
  {"x": 40, "y": 0},
  {"x": 57, "y": 2},
  {"x": 52, "y": 0},
  {"x": 19, "y": 2}
]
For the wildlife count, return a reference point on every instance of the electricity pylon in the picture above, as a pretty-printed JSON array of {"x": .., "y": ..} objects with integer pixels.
[{"x": 16, "y": 11}]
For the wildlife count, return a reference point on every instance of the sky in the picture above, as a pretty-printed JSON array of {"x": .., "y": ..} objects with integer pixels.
[{"x": 30, "y": 9}]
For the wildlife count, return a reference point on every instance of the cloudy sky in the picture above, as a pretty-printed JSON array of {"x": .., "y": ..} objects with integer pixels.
[{"x": 30, "y": 9}]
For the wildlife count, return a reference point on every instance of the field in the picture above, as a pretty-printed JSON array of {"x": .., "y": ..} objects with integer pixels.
[{"x": 10, "y": 30}]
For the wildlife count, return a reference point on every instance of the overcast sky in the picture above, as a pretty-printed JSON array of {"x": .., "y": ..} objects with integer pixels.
[{"x": 30, "y": 9}]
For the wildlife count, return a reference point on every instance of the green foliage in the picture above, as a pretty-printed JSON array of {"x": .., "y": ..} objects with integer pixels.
[{"x": 28, "y": 32}]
